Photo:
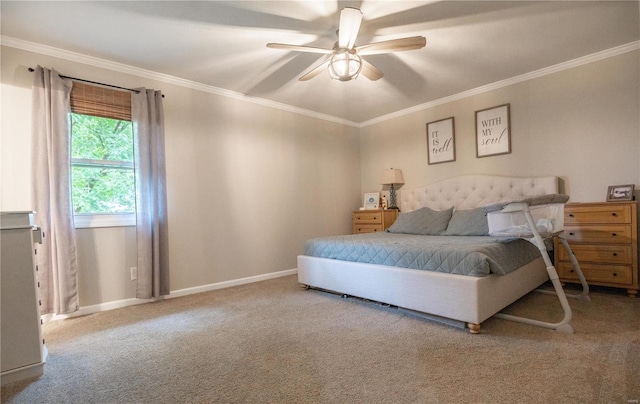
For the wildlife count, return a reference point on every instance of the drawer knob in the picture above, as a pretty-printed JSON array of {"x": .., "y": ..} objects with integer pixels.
[
  {"x": 615, "y": 274},
  {"x": 613, "y": 234},
  {"x": 572, "y": 234},
  {"x": 614, "y": 214},
  {"x": 570, "y": 214},
  {"x": 615, "y": 254}
]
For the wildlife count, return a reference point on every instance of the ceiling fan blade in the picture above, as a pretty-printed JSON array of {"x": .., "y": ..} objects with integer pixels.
[
  {"x": 299, "y": 48},
  {"x": 315, "y": 71},
  {"x": 350, "y": 19},
  {"x": 393, "y": 45},
  {"x": 370, "y": 71}
]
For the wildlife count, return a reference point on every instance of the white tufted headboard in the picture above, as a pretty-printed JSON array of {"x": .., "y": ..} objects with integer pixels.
[{"x": 472, "y": 191}]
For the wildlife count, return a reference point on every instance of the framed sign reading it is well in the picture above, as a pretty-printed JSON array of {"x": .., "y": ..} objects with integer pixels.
[
  {"x": 441, "y": 141},
  {"x": 493, "y": 131}
]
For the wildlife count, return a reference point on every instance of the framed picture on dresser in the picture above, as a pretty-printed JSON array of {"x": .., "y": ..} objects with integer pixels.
[
  {"x": 620, "y": 193},
  {"x": 371, "y": 200}
]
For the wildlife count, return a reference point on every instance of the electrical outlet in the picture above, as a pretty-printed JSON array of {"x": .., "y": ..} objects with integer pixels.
[{"x": 134, "y": 273}]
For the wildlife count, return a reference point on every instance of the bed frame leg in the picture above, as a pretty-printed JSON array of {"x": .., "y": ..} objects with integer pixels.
[{"x": 474, "y": 328}]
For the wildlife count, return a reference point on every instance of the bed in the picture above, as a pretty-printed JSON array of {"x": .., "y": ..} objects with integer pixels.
[{"x": 473, "y": 291}]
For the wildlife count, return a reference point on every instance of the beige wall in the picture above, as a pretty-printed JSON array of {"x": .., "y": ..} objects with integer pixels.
[
  {"x": 581, "y": 124},
  {"x": 247, "y": 184}
]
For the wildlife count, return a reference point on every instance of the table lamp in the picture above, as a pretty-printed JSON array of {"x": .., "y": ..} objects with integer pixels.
[{"x": 392, "y": 177}]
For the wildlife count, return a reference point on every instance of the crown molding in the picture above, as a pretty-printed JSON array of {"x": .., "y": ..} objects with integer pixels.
[
  {"x": 165, "y": 78},
  {"x": 618, "y": 50}
]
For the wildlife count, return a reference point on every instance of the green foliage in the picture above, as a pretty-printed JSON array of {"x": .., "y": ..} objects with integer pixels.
[
  {"x": 101, "y": 188},
  {"x": 101, "y": 138}
]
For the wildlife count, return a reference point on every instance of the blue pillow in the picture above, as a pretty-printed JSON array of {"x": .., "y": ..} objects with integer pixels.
[
  {"x": 470, "y": 222},
  {"x": 424, "y": 221}
]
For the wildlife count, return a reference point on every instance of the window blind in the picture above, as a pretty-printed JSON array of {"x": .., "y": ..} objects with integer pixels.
[{"x": 100, "y": 101}]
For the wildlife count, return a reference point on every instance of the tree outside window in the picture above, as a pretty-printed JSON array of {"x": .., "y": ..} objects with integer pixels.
[{"x": 102, "y": 165}]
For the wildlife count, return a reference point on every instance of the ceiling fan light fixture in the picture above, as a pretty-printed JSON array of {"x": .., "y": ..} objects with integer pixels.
[
  {"x": 345, "y": 62},
  {"x": 345, "y": 65}
]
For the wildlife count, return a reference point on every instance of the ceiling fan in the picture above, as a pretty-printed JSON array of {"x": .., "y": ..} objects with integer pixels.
[{"x": 344, "y": 62}]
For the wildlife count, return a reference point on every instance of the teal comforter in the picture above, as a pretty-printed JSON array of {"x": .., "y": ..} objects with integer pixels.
[{"x": 463, "y": 255}]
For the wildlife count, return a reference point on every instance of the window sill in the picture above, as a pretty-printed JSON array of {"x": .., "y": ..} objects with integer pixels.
[{"x": 85, "y": 221}]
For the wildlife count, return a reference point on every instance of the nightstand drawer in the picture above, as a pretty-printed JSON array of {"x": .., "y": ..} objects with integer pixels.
[
  {"x": 602, "y": 274},
  {"x": 616, "y": 234},
  {"x": 605, "y": 214},
  {"x": 366, "y": 228},
  {"x": 612, "y": 254},
  {"x": 371, "y": 221},
  {"x": 367, "y": 217}
]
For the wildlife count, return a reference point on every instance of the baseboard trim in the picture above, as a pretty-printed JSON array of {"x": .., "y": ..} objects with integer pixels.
[
  {"x": 118, "y": 304},
  {"x": 229, "y": 284}
]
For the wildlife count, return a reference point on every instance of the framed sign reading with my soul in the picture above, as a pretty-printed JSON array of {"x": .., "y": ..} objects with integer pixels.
[
  {"x": 441, "y": 141},
  {"x": 493, "y": 131}
]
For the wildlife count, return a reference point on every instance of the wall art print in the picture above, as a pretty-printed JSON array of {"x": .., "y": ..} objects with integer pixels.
[
  {"x": 493, "y": 131},
  {"x": 441, "y": 145}
]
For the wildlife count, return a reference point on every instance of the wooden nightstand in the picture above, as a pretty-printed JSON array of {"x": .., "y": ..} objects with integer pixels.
[
  {"x": 370, "y": 221},
  {"x": 604, "y": 239}
]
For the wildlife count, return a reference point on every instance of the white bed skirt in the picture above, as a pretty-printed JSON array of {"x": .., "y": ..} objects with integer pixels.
[{"x": 463, "y": 298}]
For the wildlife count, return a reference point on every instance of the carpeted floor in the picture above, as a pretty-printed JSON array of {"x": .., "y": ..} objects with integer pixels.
[{"x": 273, "y": 342}]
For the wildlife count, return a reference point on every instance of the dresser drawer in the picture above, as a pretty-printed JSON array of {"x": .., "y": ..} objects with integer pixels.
[
  {"x": 610, "y": 234},
  {"x": 612, "y": 254},
  {"x": 601, "y": 214},
  {"x": 367, "y": 217},
  {"x": 602, "y": 274},
  {"x": 366, "y": 228},
  {"x": 371, "y": 221}
]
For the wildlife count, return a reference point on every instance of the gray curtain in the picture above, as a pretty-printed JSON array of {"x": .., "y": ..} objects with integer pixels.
[
  {"x": 51, "y": 192},
  {"x": 151, "y": 194}
]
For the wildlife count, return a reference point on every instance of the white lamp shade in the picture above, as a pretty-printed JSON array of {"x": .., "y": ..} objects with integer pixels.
[{"x": 392, "y": 176}]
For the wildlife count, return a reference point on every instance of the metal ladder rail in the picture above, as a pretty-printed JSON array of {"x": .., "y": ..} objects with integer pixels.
[
  {"x": 564, "y": 325},
  {"x": 584, "y": 294}
]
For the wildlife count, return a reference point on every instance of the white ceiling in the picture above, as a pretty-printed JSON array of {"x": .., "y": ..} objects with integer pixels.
[{"x": 222, "y": 43}]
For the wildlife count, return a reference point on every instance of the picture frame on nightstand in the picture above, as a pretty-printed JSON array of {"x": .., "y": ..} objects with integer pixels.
[
  {"x": 620, "y": 193},
  {"x": 371, "y": 200}
]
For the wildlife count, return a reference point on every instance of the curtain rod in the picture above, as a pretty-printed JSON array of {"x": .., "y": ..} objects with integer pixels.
[{"x": 31, "y": 69}]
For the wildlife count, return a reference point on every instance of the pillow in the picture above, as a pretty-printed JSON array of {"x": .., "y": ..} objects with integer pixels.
[
  {"x": 471, "y": 222},
  {"x": 422, "y": 221}
]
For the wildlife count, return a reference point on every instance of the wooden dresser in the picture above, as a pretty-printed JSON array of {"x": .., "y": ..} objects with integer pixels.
[
  {"x": 604, "y": 239},
  {"x": 370, "y": 221}
]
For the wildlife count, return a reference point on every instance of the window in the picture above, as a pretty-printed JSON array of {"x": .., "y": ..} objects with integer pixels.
[{"x": 102, "y": 164}]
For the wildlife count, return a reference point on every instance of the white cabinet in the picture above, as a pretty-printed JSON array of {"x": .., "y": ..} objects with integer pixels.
[{"x": 22, "y": 348}]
